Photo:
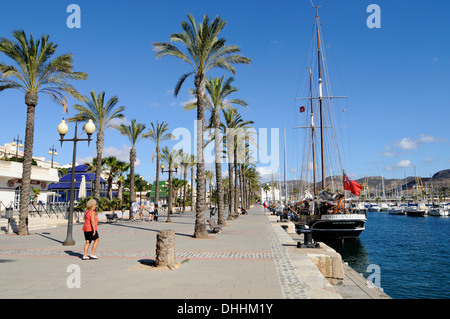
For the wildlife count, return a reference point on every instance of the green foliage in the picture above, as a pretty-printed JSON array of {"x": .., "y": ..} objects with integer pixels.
[{"x": 105, "y": 204}]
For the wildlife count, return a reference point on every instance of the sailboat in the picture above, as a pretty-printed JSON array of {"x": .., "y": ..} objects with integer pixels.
[{"x": 324, "y": 212}]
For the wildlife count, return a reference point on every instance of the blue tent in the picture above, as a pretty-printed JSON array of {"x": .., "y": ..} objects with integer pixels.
[{"x": 62, "y": 188}]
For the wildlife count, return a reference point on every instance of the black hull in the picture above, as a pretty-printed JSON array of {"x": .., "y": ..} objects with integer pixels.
[
  {"x": 418, "y": 213},
  {"x": 336, "y": 227},
  {"x": 325, "y": 235}
]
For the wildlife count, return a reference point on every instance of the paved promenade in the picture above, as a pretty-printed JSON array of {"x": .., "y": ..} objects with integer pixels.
[{"x": 248, "y": 259}]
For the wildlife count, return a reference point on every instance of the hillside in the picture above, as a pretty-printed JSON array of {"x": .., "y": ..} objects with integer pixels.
[{"x": 440, "y": 182}]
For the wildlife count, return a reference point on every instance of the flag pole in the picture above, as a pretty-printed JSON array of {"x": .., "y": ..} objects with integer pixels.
[{"x": 343, "y": 181}]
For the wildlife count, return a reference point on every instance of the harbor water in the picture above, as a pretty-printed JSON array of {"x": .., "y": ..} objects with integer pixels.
[{"x": 408, "y": 257}]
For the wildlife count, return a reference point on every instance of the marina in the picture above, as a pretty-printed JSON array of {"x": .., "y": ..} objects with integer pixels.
[{"x": 411, "y": 253}]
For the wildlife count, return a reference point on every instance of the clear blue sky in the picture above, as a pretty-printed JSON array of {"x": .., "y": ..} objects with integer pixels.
[{"x": 396, "y": 77}]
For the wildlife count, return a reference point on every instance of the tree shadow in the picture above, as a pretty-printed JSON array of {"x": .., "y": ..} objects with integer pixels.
[
  {"x": 48, "y": 237},
  {"x": 148, "y": 229}
]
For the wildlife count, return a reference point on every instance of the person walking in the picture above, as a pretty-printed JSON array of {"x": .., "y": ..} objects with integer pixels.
[
  {"x": 141, "y": 212},
  {"x": 90, "y": 229},
  {"x": 151, "y": 212},
  {"x": 134, "y": 209}
]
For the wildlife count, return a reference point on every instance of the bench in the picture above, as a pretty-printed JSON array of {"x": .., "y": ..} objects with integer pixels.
[
  {"x": 111, "y": 217},
  {"x": 212, "y": 224}
]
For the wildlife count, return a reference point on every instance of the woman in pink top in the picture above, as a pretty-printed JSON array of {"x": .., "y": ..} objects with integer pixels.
[{"x": 90, "y": 229}]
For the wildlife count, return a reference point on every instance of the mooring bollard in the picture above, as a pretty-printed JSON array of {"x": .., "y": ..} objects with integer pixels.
[
  {"x": 308, "y": 240},
  {"x": 165, "y": 249}
]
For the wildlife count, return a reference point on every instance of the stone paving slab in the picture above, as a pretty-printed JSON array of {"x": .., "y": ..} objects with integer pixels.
[{"x": 252, "y": 258}]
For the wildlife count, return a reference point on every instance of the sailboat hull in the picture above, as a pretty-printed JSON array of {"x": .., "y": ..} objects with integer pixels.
[{"x": 336, "y": 226}]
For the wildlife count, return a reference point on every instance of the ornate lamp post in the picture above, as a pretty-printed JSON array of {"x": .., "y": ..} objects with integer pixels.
[
  {"x": 170, "y": 171},
  {"x": 52, "y": 152},
  {"x": 89, "y": 128},
  {"x": 18, "y": 144}
]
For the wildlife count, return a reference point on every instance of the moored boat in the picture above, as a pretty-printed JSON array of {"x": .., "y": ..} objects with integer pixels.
[
  {"x": 415, "y": 210},
  {"x": 440, "y": 210},
  {"x": 325, "y": 212}
]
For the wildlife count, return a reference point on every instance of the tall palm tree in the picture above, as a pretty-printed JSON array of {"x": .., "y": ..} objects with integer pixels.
[
  {"x": 192, "y": 164},
  {"x": 234, "y": 127},
  {"x": 157, "y": 134},
  {"x": 216, "y": 101},
  {"x": 209, "y": 177},
  {"x": 122, "y": 168},
  {"x": 134, "y": 132},
  {"x": 266, "y": 188},
  {"x": 102, "y": 113},
  {"x": 113, "y": 168},
  {"x": 37, "y": 71},
  {"x": 92, "y": 168},
  {"x": 185, "y": 164},
  {"x": 171, "y": 158},
  {"x": 203, "y": 52}
]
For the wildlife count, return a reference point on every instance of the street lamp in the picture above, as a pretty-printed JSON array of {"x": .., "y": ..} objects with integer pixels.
[
  {"x": 89, "y": 128},
  {"x": 170, "y": 171},
  {"x": 18, "y": 144},
  {"x": 210, "y": 193},
  {"x": 141, "y": 179},
  {"x": 52, "y": 152}
]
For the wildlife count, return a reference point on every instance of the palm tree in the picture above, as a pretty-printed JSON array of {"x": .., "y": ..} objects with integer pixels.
[
  {"x": 176, "y": 184},
  {"x": 185, "y": 163},
  {"x": 235, "y": 132},
  {"x": 209, "y": 177},
  {"x": 113, "y": 166},
  {"x": 122, "y": 168},
  {"x": 134, "y": 132},
  {"x": 218, "y": 91},
  {"x": 157, "y": 134},
  {"x": 101, "y": 113},
  {"x": 37, "y": 71},
  {"x": 170, "y": 157},
  {"x": 203, "y": 52},
  {"x": 92, "y": 168},
  {"x": 266, "y": 188},
  {"x": 192, "y": 164}
]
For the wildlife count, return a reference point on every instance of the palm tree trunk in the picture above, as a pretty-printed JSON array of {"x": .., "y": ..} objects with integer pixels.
[
  {"x": 119, "y": 190},
  {"x": 132, "y": 192},
  {"x": 200, "y": 226},
  {"x": 110, "y": 191},
  {"x": 31, "y": 100},
  {"x": 169, "y": 206},
  {"x": 230, "y": 188},
  {"x": 192, "y": 188},
  {"x": 98, "y": 168},
  {"x": 236, "y": 182},
  {"x": 157, "y": 176},
  {"x": 184, "y": 190},
  {"x": 217, "y": 157}
]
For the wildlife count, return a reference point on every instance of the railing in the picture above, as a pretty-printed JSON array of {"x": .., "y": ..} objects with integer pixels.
[{"x": 58, "y": 210}]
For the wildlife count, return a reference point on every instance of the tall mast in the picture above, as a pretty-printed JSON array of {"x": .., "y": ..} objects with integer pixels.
[
  {"x": 285, "y": 166},
  {"x": 313, "y": 133},
  {"x": 320, "y": 98}
]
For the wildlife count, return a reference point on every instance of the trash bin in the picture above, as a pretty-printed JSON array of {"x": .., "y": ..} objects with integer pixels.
[{"x": 9, "y": 212}]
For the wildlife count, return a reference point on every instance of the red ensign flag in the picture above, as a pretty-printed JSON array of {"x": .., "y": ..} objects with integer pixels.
[{"x": 352, "y": 186}]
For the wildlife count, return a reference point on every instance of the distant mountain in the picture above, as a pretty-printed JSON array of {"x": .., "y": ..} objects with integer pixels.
[
  {"x": 445, "y": 174},
  {"x": 438, "y": 181}
]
